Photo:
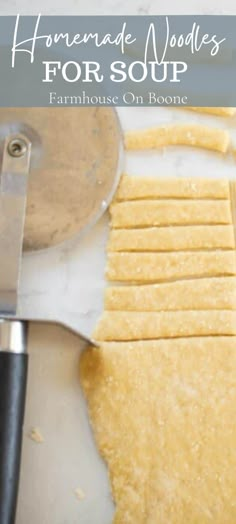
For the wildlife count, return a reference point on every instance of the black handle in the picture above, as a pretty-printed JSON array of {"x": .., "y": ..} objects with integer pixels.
[{"x": 13, "y": 377}]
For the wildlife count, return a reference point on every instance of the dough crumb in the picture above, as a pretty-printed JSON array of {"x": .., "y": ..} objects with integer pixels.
[
  {"x": 36, "y": 435},
  {"x": 79, "y": 494}
]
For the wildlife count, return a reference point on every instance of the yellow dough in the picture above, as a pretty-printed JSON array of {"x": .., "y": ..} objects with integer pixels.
[
  {"x": 161, "y": 386},
  {"x": 179, "y": 134},
  {"x": 143, "y": 213},
  {"x": 172, "y": 238},
  {"x": 136, "y": 188},
  {"x": 218, "y": 111},
  {"x": 164, "y": 420},
  {"x": 151, "y": 267},
  {"x": 202, "y": 293},
  {"x": 123, "y": 325}
]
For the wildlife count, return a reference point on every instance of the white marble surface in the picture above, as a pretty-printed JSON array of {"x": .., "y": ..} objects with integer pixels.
[
  {"x": 68, "y": 458},
  {"x": 116, "y": 7}
]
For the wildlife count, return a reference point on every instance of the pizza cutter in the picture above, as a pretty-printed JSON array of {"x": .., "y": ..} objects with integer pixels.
[{"x": 59, "y": 170}]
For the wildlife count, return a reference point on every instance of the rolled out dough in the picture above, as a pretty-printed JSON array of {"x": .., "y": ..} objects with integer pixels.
[
  {"x": 129, "y": 325},
  {"x": 172, "y": 238},
  {"x": 161, "y": 388},
  {"x": 151, "y": 267},
  {"x": 203, "y": 293},
  {"x": 143, "y": 213},
  {"x": 164, "y": 420},
  {"x": 135, "y": 188},
  {"x": 218, "y": 111},
  {"x": 180, "y": 134}
]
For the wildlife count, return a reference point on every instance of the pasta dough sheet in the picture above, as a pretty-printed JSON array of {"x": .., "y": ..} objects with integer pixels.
[
  {"x": 179, "y": 134},
  {"x": 123, "y": 325},
  {"x": 218, "y": 111},
  {"x": 135, "y": 188},
  {"x": 209, "y": 293},
  {"x": 143, "y": 213},
  {"x": 151, "y": 267},
  {"x": 171, "y": 238},
  {"x": 164, "y": 420}
]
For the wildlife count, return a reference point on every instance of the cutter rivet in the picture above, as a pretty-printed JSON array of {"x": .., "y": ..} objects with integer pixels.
[{"x": 17, "y": 147}]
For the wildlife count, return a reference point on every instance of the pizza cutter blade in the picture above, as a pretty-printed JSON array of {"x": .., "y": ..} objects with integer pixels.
[{"x": 59, "y": 170}]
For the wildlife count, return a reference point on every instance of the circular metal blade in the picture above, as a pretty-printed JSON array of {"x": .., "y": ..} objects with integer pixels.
[{"x": 75, "y": 168}]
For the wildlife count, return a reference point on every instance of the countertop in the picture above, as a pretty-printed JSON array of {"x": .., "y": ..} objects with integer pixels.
[
  {"x": 117, "y": 7},
  {"x": 67, "y": 459}
]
